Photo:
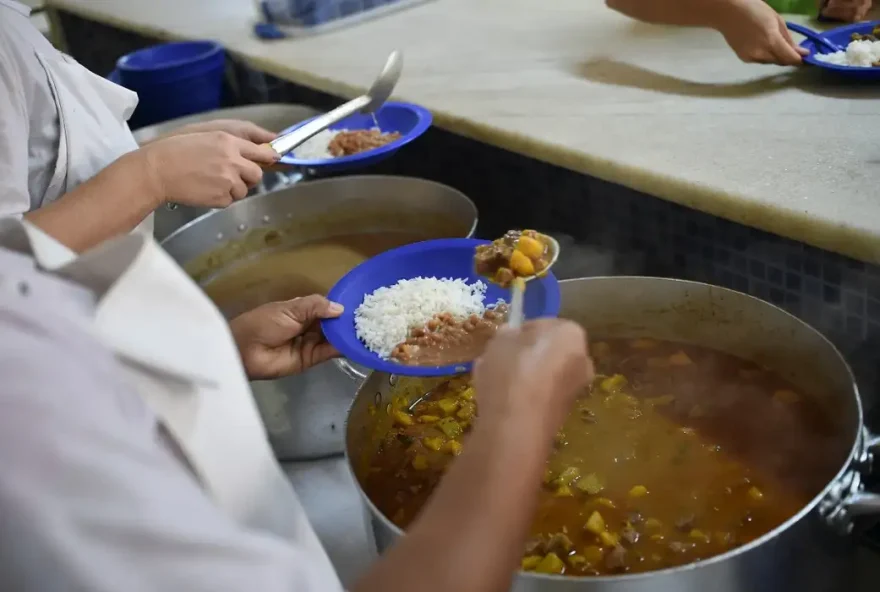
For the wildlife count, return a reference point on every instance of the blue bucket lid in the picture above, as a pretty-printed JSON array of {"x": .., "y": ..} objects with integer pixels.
[{"x": 169, "y": 58}]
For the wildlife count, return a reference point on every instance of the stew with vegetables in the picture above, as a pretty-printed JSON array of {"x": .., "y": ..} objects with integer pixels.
[
  {"x": 674, "y": 454},
  {"x": 519, "y": 253}
]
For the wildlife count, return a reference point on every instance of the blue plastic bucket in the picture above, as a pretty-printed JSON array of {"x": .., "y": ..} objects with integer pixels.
[{"x": 172, "y": 80}]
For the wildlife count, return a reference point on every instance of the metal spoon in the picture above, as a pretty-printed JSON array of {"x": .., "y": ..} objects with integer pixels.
[
  {"x": 516, "y": 315},
  {"x": 370, "y": 102},
  {"x": 414, "y": 404}
]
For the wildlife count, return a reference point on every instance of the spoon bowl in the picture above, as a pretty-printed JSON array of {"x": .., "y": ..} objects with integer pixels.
[
  {"x": 516, "y": 316},
  {"x": 369, "y": 102},
  {"x": 553, "y": 248},
  {"x": 384, "y": 85}
]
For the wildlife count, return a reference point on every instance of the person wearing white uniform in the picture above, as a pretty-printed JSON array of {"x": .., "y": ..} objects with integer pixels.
[
  {"x": 69, "y": 163},
  {"x": 134, "y": 458}
]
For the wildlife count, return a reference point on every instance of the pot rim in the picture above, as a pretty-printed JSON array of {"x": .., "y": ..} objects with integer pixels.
[
  {"x": 336, "y": 180},
  {"x": 766, "y": 537}
]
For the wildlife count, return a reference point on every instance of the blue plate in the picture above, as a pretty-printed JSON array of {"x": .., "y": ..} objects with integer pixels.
[
  {"x": 841, "y": 36},
  {"x": 411, "y": 121},
  {"x": 443, "y": 258}
]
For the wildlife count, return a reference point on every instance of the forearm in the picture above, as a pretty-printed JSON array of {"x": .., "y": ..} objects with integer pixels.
[
  {"x": 688, "y": 13},
  {"x": 110, "y": 204},
  {"x": 470, "y": 536}
]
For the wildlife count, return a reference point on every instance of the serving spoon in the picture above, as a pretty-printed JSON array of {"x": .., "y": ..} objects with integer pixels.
[
  {"x": 816, "y": 37},
  {"x": 516, "y": 315},
  {"x": 367, "y": 103}
]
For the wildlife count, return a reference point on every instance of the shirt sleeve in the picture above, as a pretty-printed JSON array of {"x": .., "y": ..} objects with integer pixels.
[
  {"x": 90, "y": 499},
  {"x": 14, "y": 132}
]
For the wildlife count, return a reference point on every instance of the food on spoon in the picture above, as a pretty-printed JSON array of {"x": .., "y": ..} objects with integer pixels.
[
  {"x": 428, "y": 321},
  {"x": 336, "y": 143},
  {"x": 629, "y": 492},
  {"x": 519, "y": 253}
]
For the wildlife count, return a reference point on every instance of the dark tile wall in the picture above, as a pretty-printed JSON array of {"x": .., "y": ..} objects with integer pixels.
[{"x": 610, "y": 229}]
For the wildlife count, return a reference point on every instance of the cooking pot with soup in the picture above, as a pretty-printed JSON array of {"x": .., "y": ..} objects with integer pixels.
[
  {"x": 721, "y": 447},
  {"x": 301, "y": 240}
]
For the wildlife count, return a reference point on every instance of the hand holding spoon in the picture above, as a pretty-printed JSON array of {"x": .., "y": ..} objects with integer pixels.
[
  {"x": 514, "y": 260},
  {"x": 822, "y": 44}
]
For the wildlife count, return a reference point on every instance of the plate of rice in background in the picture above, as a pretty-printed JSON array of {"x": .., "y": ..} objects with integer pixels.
[
  {"x": 420, "y": 292},
  {"x": 861, "y": 58},
  {"x": 361, "y": 139}
]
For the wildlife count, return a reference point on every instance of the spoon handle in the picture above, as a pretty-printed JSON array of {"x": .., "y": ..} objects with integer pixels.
[
  {"x": 814, "y": 36},
  {"x": 284, "y": 144},
  {"x": 517, "y": 296}
]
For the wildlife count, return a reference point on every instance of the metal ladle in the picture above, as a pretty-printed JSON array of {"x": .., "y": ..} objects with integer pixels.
[
  {"x": 515, "y": 314},
  {"x": 369, "y": 102},
  {"x": 518, "y": 287}
]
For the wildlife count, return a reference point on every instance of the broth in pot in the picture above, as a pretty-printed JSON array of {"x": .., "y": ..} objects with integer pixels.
[
  {"x": 312, "y": 267},
  {"x": 675, "y": 454}
]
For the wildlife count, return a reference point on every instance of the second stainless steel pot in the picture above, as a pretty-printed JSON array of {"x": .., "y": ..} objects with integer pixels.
[
  {"x": 809, "y": 553},
  {"x": 305, "y": 414}
]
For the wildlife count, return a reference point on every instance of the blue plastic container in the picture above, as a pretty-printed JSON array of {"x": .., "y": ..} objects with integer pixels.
[
  {"x": 173, "y": 80},
  {"x": 442, "y": 258}
]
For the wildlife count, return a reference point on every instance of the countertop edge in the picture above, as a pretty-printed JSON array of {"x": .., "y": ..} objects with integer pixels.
[{"x": 851, "y": 242}]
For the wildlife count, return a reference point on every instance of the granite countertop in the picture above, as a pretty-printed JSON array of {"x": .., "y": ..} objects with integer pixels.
[{"x": 667, "y": 111}]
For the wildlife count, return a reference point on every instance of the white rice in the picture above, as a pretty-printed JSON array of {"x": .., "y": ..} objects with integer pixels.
[
  {"x": 859, "y": 53},
  {"x": 318, "y": 146},
  {"x": 386, "y": 316}
]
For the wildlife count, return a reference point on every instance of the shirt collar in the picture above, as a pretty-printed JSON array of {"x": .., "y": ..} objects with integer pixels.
[
  {"x": 16, "y": 6},
  {"x": 148, "y": 310}
]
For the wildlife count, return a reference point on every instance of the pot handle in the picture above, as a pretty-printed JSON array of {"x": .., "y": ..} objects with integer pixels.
[
  {"x": 848, "y": 498},
  {"x": 872, "y": 442},
  {"x": 350, "y": 370},
  {"x": 863, "y": 503},
  {"x": 860, "y": 502}
]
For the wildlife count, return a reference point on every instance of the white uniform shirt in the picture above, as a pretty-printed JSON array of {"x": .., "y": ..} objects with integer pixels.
[
  {"x": 60, "y": 124},
  {"x": 132, "y": 453}
]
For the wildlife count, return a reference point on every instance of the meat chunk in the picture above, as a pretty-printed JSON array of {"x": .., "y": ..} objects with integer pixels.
[
  {"x": 685, "y": 523},
  {"x": 635, "y": 518},
  {"x": 536, "y": 546},
  {"x": 560, "y": 544},
  {"x": 615, "y": 559},
  {"x": 678, "y": 547},
  {"x": 629, "y": 535}
]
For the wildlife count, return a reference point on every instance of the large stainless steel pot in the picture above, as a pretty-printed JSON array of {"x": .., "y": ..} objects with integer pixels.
[
  {"x": 305, "y": 414},
  {"x": 809, "y": 553}
]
